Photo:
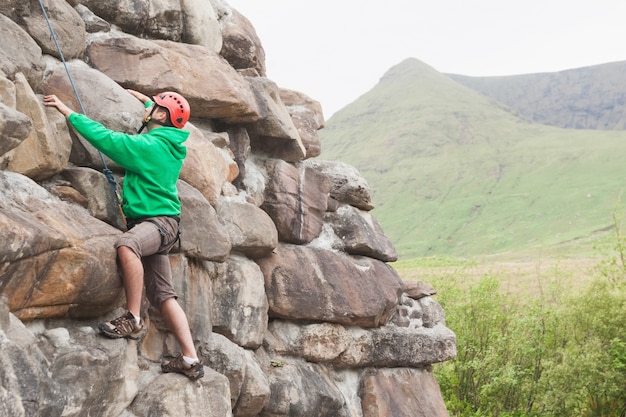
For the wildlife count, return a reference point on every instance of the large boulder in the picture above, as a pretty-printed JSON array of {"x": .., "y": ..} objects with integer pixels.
[
  {"x": 347, "y": 184},
  {"x": 160, "y": 19},
  {"x": 250, "y": 229},
  {"x": 353, "y": 347},
  {"x": 123, "y": 114},
  {"x": 67, "y": 25},
  {"x": 296, "y": 200},
  {"x": 241, "y": 46},
  {"x": 274, "y": 133},
  {"x": 249, "y": 386},
  {"x": 398, "y": 347},
  {"x": 319, "y": 285},
  {"x": 19, "y": 53},
  {"x": 206, "y": 167},
  {"x": 14, "y": 128},
  {"x": 202, "y": 234},
  {"x": 90, "y": 189},
  {"x": 308, "y": 118},
  {"x": 255, "y": 391},
  {"x": 240, "y": 307},
  {"x": 303, "y": 389},
  {"x": 93, "y": 23},
  {"x": 193, "y": 282},
  {"x": 402, "y": 392},
  {"x": 200, "y": 25},
  {"x": 46, "y": 151},
  {"x": 57, "y": 261},
  {"x": 361, "y": 233},
  {"x": 57, "y": 370},
  {"x": 173, "y": 395},
  {"x": 213, "y": 88}
]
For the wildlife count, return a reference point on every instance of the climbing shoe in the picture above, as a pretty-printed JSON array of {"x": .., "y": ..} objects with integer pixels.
[
  {"x": 123, "y": 326},
  {"x": 177, "y": 364}
]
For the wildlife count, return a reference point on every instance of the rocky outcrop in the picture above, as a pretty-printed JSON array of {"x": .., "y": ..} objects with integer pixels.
[{"x": 282, "y": 270}]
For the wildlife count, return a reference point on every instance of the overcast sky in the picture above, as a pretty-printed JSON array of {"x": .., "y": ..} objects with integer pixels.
[{"x": 337, "y": 50}]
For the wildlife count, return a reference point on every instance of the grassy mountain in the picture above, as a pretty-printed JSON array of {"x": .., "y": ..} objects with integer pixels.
[
  {"x": 456, "y": 173},
  {"x": 583, "y": 98}
]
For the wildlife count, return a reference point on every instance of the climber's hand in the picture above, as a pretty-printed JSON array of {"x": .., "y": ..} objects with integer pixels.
[
  {"x": 139, "y": 96},
  {"x": 53, "y": 101}
]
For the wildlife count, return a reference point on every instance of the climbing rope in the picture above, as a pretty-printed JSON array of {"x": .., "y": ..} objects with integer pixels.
[{"x": 107, "y": 172}]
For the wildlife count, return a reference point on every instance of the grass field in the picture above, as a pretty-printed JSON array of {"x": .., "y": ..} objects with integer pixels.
[{"x": 525, "y": 277}]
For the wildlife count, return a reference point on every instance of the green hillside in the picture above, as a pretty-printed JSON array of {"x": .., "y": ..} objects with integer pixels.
[{"x": 455, "y": 173}]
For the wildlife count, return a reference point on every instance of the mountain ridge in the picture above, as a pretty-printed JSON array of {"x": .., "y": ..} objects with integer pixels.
[{"x": 579, "y": 98}]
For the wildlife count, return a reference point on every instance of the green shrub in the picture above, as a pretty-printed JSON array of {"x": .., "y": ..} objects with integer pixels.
[{"x": 561, "y": 353}]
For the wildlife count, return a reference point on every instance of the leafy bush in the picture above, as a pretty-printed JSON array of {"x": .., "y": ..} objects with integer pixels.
[{"x": 560, "y": 353}]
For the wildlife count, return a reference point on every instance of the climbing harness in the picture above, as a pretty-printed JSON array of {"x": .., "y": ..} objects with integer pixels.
[{"x": 107, "y": 172}]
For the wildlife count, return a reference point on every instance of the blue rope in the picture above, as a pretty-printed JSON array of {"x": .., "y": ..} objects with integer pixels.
[{"x": 107, "y": 172}]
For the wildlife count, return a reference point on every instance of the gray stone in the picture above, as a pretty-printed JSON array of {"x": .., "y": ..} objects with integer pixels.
[
  {"x": 274, "y": 133},
  {"x": 347, "y": 184},
  {"x": 295, "y": 199},
  {"x": 19, "y": 52},
  {"x": 240, "y": 307},
  {"x": 361, "y": 233},
  {"x": 241, "y": 46},
  {"x": 202, "y": 235},
  {"x": 313, "y": 284},
  {"x": 250, "y": 229},
  {"x": 14, "y": 128},
  {"x": 68, "y": 27},
  {"x": 303, "y": 389},
  {"x": 175, "y": 395},
  {"x": 307, "y": 117},
  {"x": 402, "y": 392}
]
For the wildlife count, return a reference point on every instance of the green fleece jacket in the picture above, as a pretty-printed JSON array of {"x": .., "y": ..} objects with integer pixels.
[{"x": 152, "y": 161}]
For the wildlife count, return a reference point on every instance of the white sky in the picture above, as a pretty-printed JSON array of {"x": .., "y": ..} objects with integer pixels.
[{"x": 336, "y": 50}]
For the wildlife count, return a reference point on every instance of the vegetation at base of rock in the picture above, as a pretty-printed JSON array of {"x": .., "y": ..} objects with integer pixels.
[{"x": 560, "y": 351}]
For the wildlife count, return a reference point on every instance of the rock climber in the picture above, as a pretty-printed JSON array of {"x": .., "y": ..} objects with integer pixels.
[{"x": 151, "y": 205}]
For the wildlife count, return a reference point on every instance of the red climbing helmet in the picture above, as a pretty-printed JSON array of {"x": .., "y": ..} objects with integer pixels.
[{"x": 177, "y": 106}]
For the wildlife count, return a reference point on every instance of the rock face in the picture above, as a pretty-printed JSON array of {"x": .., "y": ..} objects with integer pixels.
[{"x": 282, "y": 270}]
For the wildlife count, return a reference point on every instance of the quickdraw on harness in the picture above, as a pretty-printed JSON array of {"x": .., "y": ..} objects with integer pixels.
[{"x": 107, "y": 172}]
